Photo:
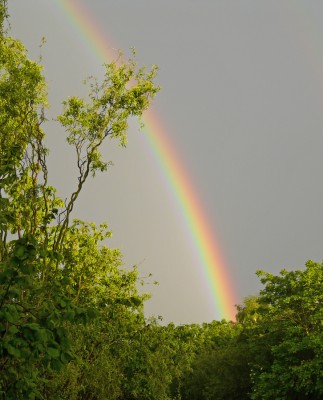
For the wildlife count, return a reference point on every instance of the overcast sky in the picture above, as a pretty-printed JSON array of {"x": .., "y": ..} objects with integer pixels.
[{"x": 242, "y": 97}]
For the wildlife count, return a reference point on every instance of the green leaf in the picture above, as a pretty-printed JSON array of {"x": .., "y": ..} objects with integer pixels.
[
  {"x": 52, "y": 352},
  {"x": 56, "y": 364},
  {"x": 66, "y": 357},
  {"x": 12, "y": 350},
  {"x": 13, "y": 330},
  {"x": 20, "y": 252}
]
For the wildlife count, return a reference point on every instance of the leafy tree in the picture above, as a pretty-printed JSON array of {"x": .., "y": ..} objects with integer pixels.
[
  {"x": 50, "y": 281},
  {"x": 220, "y": 367},
  {"x": 288, "y": 337},
  {"x": 248, "y": 314},
  {"x": 95, "y": 281}
]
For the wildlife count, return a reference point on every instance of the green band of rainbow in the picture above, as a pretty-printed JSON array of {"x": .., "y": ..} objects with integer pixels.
[{"x": 202, "y": 238}]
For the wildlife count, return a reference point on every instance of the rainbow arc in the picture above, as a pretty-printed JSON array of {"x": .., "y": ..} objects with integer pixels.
[{"x": 201, "y": 236}]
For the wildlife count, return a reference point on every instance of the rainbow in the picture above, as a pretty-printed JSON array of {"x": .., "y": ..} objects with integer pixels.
[{"x": 201, "y": 236}]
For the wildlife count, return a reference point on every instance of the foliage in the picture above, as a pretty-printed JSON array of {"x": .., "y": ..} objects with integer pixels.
[
  {"x": 291, "y": 335},
  {"x": 220, "y": 367},
  {"x": 55, "y": 277},
  {"x": 72, "y": 322},
  {"x": 273, "y": 351},
  {"x": 94, "y": 280}
]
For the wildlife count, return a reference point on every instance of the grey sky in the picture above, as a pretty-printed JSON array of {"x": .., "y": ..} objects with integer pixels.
[{"x": 242, "y": 97}]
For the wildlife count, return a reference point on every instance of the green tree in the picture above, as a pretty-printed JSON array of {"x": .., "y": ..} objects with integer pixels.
[
  {"x": 287, "y": 341},
  {"x": 49, "y": 284},
  {"x": 219, "y": 369},
  {"x": 94, "y": 280}
]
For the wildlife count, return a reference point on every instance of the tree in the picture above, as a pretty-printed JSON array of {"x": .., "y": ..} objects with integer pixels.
[
  {"x": 219, "y": 369},
  {"x": 95, "y": 281},
  {"x": 288, "y": 338},
  {"x": 47, "y": 290}
]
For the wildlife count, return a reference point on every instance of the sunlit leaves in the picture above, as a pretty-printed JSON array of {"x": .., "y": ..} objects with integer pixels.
[
  {"x": 57, "y": 278},
  {"x": 289, "y": 335}
]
